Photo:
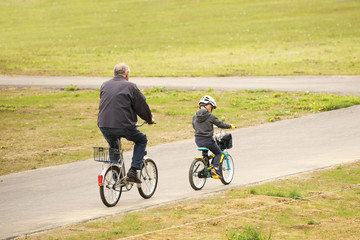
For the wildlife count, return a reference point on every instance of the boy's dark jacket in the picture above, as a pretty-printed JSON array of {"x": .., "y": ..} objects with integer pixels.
[{"x": 203, "y": 121}]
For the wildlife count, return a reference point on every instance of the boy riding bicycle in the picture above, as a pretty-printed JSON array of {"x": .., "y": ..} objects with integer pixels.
[{"x": 203, "y": 121}]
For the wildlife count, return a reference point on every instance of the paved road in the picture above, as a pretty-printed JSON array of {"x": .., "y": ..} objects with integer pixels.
[
  {"x": 334, "y": 84},
  {"x": 47, "y": 198}
]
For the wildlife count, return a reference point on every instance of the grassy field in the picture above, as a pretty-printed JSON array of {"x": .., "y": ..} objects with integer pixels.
[
  {"x": 260, "y": 212},
  {"x": 180, "y": 37},
  {"x": 40, "y": 127}
]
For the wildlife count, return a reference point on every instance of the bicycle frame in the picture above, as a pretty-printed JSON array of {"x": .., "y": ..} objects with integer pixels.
[
  {"x": 121, "y": 166},
  {"x": 224, "y": 155},
  {"x": 113, "y": 175},
  {"x": 201, "y": 167},
  {"x": 106, "y": 166}
]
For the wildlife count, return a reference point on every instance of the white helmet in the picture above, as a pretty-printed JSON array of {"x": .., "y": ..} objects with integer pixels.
[{"x": 205, "y": 100}]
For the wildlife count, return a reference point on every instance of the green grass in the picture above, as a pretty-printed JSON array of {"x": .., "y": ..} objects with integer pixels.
[
  {"x": 329, "y": 214},
  {"x": 41, "y": 127},
  {"x": 180, "y": 37},
  {"x": 250, "y": 233}
]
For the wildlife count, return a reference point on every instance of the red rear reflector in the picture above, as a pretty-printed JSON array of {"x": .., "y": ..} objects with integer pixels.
[{"x": 100, "y": 180}]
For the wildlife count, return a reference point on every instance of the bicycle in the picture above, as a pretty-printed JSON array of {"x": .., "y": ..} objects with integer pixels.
[
  {"x": 113, "y": 179},
  {"x": 200, "y": 168}
]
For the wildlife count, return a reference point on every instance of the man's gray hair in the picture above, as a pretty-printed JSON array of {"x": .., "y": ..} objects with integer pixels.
[{"x": 121, "y": 69}]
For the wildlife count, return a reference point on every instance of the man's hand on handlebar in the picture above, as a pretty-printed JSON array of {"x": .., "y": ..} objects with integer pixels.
[
  {"x": 153, "y": 122},
  {"x": 232, "y": 126}
]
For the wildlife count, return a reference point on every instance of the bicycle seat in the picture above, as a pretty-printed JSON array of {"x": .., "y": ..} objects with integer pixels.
[{"x": 203, "y": 149}]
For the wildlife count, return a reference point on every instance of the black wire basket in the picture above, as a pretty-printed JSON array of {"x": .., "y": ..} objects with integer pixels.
[
  {"x": 225, "y": 142},
  {"x": 101, "y": 154}
]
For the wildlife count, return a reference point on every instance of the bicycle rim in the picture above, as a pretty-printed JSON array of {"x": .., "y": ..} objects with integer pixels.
[
  {"x": 196, "y": 182},
  {"x": 227, "y": 170},
  {"x": 110, "y": 191},
  {"x": 149, "y": 179}
]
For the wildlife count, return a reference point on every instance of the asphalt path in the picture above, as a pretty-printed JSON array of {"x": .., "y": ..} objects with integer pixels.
[
  {"x": 333, "y": 84},
  {"x": 56, "y": 196}
]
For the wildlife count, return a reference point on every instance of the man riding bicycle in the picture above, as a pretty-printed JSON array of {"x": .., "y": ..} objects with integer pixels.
[
  {"x": 203, "y": 121},
  {"x": 120, "y": 103}
]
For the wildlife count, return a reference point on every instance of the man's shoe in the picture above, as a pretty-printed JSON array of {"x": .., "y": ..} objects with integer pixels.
[
  {"x": 215, "y": 173},
  {"x": 132, "y": 176}
]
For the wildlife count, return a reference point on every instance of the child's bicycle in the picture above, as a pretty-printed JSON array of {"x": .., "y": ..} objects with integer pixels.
[
  {"x": 200, "y": 168},
  {"x": 113, "y": 179}
]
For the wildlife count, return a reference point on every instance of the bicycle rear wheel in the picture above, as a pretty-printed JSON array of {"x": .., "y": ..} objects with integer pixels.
[
  {"x": 227, "y": 170},
  {"x": 149, "y": 179},
  {"x": 110, "y": 191},
  {"x": 196, "y": 166}
]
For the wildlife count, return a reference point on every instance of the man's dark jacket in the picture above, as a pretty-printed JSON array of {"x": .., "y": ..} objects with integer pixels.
[{"x": 120, "y": 102}]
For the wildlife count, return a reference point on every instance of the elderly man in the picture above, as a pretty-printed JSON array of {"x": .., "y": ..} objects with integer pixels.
[{"x": 120, "y": 103}]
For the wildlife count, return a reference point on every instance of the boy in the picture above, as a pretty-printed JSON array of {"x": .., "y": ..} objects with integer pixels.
[{"x": 203, "y": 121}]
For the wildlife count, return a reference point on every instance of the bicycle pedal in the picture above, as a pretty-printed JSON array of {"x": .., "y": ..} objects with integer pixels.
[
  {"x": 129, "y": 180},
  {"x": 215, "y": 175},
  {"x": 132, "y": 181}
]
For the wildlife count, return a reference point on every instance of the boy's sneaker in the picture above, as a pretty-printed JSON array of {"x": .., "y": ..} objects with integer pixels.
[
  {"x": 215, "y": 172},
  {"x": 132, "y": 176}
]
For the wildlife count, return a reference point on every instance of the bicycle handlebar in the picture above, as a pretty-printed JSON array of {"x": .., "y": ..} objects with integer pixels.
[
  {"x": 232, "y": 127},
  {"x": 140, "y": 125}
]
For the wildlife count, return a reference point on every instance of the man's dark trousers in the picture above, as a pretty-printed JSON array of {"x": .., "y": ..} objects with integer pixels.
[
  {"x": 112, "y": 136},
  {"x": 210, "y": 144}
]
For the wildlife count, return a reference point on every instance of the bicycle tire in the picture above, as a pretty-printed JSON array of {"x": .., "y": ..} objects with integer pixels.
[
  {"x": 149, "y": 179},
  {"x": 110, "y": 191},
  {"x": 196, "y": 166},
  {"x": 227, "y": 170}
]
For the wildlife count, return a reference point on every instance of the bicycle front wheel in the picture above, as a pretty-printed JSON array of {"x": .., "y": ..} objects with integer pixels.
[
  {"x": 111, "y": 189},
  {"x": 149, "y": 179},
  {"x": 196, "y": 167},
  {"x": 227, "y": 170}
]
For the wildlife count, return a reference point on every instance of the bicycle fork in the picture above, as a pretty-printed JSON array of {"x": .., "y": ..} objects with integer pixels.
[{"x": 225, "y": 156}]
